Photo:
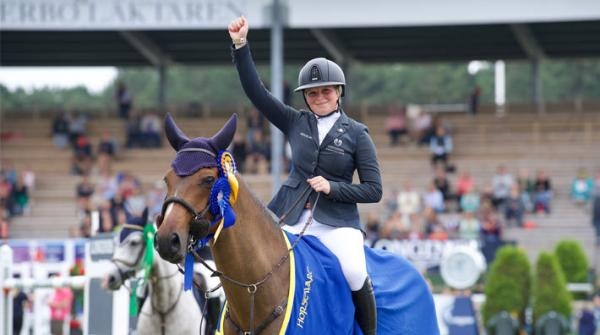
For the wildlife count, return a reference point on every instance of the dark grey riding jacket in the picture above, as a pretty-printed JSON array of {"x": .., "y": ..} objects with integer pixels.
[{"x": 346, "y": 148}]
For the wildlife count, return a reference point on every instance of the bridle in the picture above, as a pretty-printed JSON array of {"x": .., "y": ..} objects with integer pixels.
[{"x": 199, "y": 224}]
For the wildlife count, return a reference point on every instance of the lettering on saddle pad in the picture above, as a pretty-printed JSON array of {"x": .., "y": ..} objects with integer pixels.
[{"x": 303, "y": 312}]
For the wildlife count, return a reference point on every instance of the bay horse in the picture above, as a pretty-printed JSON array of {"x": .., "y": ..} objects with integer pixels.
[
  {"x": 274, "y": 282},
  {"x": 167, "y": 309}
]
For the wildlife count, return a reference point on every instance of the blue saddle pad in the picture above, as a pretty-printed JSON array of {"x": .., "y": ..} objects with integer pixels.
[{"x": 321, "y": 302}]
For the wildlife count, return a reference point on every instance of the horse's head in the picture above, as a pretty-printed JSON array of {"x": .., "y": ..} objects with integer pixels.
[
  {"x": 128, "y": 253},
  {"x": 186, "y": 214}
]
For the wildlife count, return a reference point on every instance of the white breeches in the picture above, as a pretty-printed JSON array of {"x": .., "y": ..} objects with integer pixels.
[{"x": 346, "y": 243}]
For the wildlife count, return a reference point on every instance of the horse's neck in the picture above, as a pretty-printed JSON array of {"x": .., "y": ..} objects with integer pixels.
[
  {"x": 247, "y": 252},
  {"x": 165, "y": 284}
]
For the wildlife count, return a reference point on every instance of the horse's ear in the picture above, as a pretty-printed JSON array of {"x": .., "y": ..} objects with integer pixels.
[
  {"x": 175, "y": 136},
  {"x": 223, "y": 138},
  {"x": 145, "y": 215}
]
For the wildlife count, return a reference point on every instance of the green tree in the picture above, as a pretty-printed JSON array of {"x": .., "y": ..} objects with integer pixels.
[
  {"x": 550, "y": 288},
  {"x": 508, "y": 284}
]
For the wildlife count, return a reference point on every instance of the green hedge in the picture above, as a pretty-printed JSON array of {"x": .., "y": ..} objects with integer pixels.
[
  {"x": 508, "y": 284},
  {"x": 572, "y": 260},
  {"x": 550, "y": 288}
]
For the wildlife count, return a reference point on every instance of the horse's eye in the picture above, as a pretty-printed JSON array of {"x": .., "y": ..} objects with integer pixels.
[
  {"x": 135, "y": 243},
  {"x": 207, "y": 181}
]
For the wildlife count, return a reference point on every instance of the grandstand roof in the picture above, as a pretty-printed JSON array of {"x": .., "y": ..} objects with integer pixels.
[{"x": 573, "y": 39}]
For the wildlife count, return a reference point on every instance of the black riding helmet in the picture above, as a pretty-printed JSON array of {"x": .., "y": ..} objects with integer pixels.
[{"x": 320, "y": 72}]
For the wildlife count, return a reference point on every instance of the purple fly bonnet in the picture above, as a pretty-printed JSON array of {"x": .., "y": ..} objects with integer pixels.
[{"x": 201, "y": 152}]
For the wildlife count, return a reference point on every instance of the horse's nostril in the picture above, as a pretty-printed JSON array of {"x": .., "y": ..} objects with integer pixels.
[{"x": 175, "y": 243}]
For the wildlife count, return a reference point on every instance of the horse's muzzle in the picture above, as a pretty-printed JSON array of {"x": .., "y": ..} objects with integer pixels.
[{"x": 170, "y": 248}]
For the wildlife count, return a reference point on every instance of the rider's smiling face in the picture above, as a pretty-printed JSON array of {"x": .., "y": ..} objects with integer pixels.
[{"x": 322, "y": 100}]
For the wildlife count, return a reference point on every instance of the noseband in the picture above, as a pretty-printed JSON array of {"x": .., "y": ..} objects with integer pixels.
[{"x": 199, "y": 224}]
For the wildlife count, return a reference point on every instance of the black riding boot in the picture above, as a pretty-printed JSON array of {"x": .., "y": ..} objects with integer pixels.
[{"x": 366, "y": 310}]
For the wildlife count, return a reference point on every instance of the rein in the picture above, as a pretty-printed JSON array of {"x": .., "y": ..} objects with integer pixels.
[{"x": 253, "y": 287}]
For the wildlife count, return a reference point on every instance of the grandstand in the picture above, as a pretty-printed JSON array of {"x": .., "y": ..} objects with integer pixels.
[{"x": 558, "y": 142}]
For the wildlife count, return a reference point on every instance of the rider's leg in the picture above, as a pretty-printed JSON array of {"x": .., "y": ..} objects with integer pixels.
[{"x": 348, "y": 246}]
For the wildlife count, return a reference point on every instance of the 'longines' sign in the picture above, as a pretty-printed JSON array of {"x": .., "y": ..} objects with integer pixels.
[{"x": 117, "y": 14}]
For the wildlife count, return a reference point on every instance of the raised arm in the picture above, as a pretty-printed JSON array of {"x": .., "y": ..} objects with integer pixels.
[{"x": 274, "y": 110}]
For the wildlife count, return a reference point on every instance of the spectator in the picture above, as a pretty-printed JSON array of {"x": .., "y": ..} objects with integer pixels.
[
  {"x": 443, "y": 184},
  {"x": 542, "y": 192},
  {"x": 155, "y": 198},
  {"x": 596, "y": 211},
  {"x": 514, "y": 209},
  {"x": 464, "y": 184},
  {"x": 501, "y": 184},
  {"x": 422, "y": 128},
  {"x": 434, "y": 228},
  {"x": 124, "y": 100},
  {"x": 469, "y": 227},
  {"x": 395, "y": 124},
  {"x": 581, "y": 188},
  {"x": 257, "y": 158},
  {"x": 20, "y": 196},
  {"x": 491, "y": 228},
  {"x": 596, "y": 308},
  {"x": 60, "y": 308},
  {"x": 254, "y": 123},
  {"x": 107, "y": 145},
  {"x": 20, "y": 302},
  {"x": 28, "y": 178},
  {"x": 586, "y": 322},
  {"x": 133, "y": 129},
  {"x": 474, "y": 100},
  {"x": 440, "y": 146},
  {"x": 77, "y": 128},
  {"x": 470, "y": 201},
  {"x": 60, "y": 130},
  {"x": 238, "y": 150},
  {"x": 408, "y": 202},
  {"x": 415, "y": 232},
  {"x": 372, "y": 228},
  {"x": 434, "y": 198},
  {"x": 526, "y": 187},
  {"x": 394, "y": 228},
  {"x": 82, "y": 156},
  {"x": 85, "y": 191},
  {"x": 150, "y": 131}
]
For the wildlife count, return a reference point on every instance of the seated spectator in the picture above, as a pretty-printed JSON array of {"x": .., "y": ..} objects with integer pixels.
[
  {"x": 464, "y": 184},
  {"x": 133, "y": 129},
  {"x": 107, "y": 145},
  {"x": 257, "y": 159},
  {"x": 501, "y": 184},
  {"x": 255, "y": 122},
  {"x": 491, "y": 228},
  {"x": 85, "y": 191},
  {"x": 394, "y": 228},
  {"x": 77, "y": 128},
  {"x": 515, "y": 208},
  {"x": 526, "y": 187},
  {"x": 542, "y": 192},
  {"x": 82, "y": 156},
  {"x": 28, "y": 178},
  {"x": 443, "y": 184},
  {"x": 408, "y": 202},
  {"x": 469, "y": 227},
  {"x": 238, "y": 150},
  {"x": 433, "y": 224},
  {"x": 150, "y": 131},
  {"x": 416, "y": 231},
  {"x": 20, "y": 195},
  {"x": 395, "y": 124},
  {"x": 581, "y": 188},
  {"x": 4, "y": 224},
  {"x": 60, "y": 131},
  {"x": 440, "y": 146},
  {"x": 434, "y": 198},
  {"x": 372, "y": 228},
  {"x": 155, "y": 198},
  {"x": 6, "y": 200},
  {"x": 470, "y": 201},
  {"x": 422, "y": 128}
]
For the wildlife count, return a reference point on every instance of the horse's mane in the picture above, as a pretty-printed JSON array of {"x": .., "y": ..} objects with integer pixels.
[{"x": 273, "y": 220}]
